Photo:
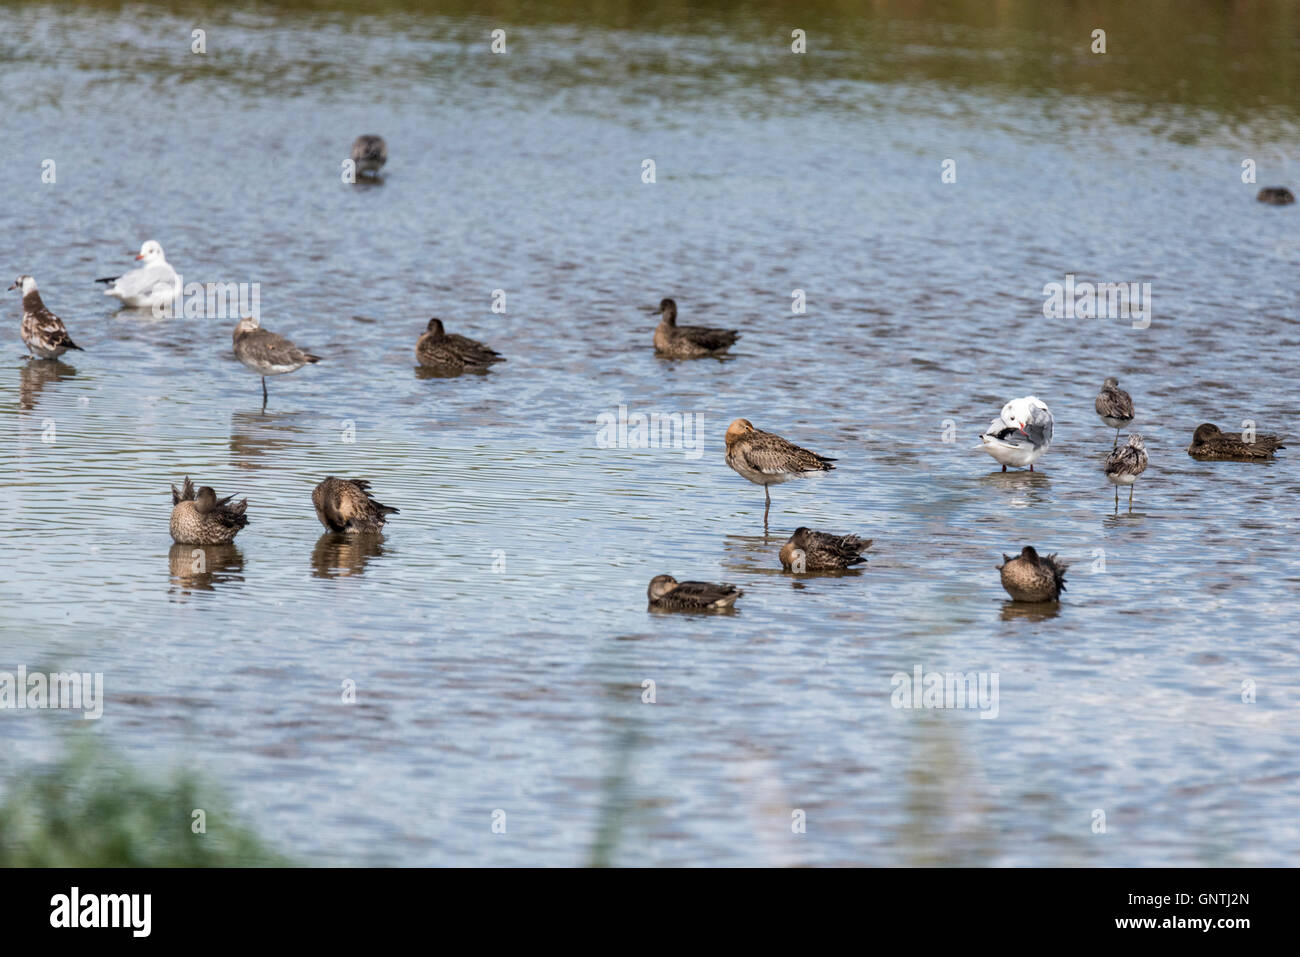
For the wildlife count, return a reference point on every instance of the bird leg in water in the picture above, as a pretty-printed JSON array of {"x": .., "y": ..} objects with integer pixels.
[
  {"x": 264, "y": 392},
  {"x": 767, "y": 504}
]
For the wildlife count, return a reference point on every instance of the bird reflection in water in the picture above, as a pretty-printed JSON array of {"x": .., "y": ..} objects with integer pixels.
[
  {"x": 1030, "y": 611},
  {"x": 254, "y": 435},
  {"x": 35, "y": 375},
  {"x": 203, "y": 567},
  {"x": 339, "y": 555}
]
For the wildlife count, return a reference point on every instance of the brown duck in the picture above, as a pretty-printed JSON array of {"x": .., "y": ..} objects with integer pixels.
[
  {"x": 345, "y": 505},
  {"x": 668, "y": 594},
  {"x": 689, "y": 342},
  {"x": 1033, "y": 577},
  {"x": 453, "y": 354},
  {"x": 1276, "y": 196},
  {"x": 809, "y": 550},
  {"x": 1211, "y": 445},
  {"x": 204, "y": 519}
]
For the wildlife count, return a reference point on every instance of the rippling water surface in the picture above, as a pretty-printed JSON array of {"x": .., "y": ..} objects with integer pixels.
[{"x": 498, "y": 636}]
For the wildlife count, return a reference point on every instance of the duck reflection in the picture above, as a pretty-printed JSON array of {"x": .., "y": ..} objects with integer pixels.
[
  {"x": 1030, "y": 611},
  {"x": 254, "y": 435},
  {"x": 202, "y": 567},
  {"x": 339, "y": 555},
  {"x": 35, "y": 375}
]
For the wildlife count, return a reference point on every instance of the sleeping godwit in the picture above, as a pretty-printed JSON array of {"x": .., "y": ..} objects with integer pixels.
[
  {"x": 1123, "y": 466},
  {"x": 766, "y": 459},
  {"x": 1114, "y": 406}
]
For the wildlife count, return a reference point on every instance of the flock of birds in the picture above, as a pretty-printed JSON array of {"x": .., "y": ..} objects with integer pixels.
[{"x": 1019, "y": 436}]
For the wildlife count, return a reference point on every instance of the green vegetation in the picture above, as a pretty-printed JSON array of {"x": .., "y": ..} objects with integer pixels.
[{"x": 85, "y": 811}]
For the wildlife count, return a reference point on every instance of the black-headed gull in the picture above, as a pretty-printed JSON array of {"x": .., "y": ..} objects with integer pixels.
[
  {"x": 43, "y": 332},
  {"x": 1114, "y": 406},
  {"x": 151, "y": 286},
  {"x": 369, "y": 153},
  {"x": 1021, "y": 434},
  {"x": 267, "y": 353}
]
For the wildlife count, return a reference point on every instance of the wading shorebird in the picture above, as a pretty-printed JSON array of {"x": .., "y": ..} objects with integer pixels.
[
  {"x": 1211, "y": 445},
  {"x": 42, "y": 331},
  {"x": 152, "y": 285},
  {"x": 1114, "y": 406},
  {"x": 1020, "y": 435},
  {"x": 689, "y": 342},
  {"x": 766, "y": 459},
  {"x": 1276, "y": 196},
  {"x": 369, "y": 154},
  {"x": 668, "y": 594},
  {"x": 809, "y": 550},
  {"x": 204, "y": 519},
  {"x": 1033, "y": 577},
  {"x": 345, "y": 505},
  {"x": 453, "y": 354},
  {"x": 1123, "y": 466},
  {"x": 266, "y": 353}
]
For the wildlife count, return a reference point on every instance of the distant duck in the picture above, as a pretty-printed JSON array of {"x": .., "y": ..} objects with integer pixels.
[
  {"x": 689, "y": 342},
  {"x": 42, "y": 331},
  {"x": 369, "y": 154},
  {"x": 151, "y": 286},
  {"x": 345, "y": 505},
  {"x": 766, "y": 459},
  {"x": 1211, "y": 445},
  {"x": 266, "y": 353},
  {"x": 668, "y": 594},
  {"x": 1114, "y": 406},
  {"x": 453, "y": 354},
  {"x": 809, "y": 550},
  {"x": 204, "y": 519},
  {"x": 1276, "y": 196},
  {"x": 1123, "y": 466},
  {"x": 1021, "y": 434},
  {"x": 1033, "y": 577}
]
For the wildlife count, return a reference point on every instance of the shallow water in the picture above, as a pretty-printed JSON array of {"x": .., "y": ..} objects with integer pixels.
[{"x": 498, "y": 636}]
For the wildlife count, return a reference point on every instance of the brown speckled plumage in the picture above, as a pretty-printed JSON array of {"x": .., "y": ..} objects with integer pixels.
[
  {"x": 1032, "y": 577},
  {"x": 823, "y": 551},
  {"x": 345, "y": 505},
  {"x": 766, "y": 459},
  {"x": 265, "y": 352},
  {"x": 369, "y": 153},
  {"x": 668, "y": 594},
  {"x": 689, "y": 342},
  {"x": 1211, "y": 445},
  {"x": 1114, "y": 406},
  {"x": 453, "y": 354},
  {"x": 42, "y": 331},
  {"x": 200, "y": 518}
]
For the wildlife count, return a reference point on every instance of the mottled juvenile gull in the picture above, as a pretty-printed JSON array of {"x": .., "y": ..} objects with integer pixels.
[{"x": 42, "y": 331}]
